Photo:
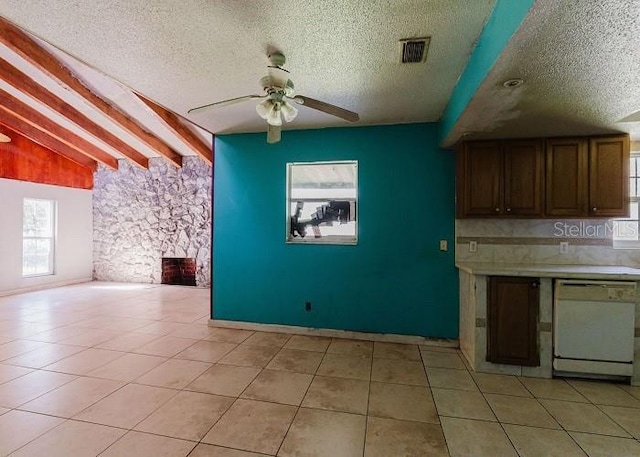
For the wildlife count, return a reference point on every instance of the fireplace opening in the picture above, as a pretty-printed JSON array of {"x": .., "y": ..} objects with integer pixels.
[{"x": 179, "y": 271}]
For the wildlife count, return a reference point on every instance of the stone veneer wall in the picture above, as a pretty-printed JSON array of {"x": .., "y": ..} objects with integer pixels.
[
  {"x": 140, "y": 216},
  {"x": 537, "y": 241}
]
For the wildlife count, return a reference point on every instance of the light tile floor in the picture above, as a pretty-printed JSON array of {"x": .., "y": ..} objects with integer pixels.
[{"x": 122, "y": 370}]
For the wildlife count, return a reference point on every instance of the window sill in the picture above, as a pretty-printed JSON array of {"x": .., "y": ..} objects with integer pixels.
[
  {"x": 37, "y": 275},
  {"x": 340, "y": 241}
]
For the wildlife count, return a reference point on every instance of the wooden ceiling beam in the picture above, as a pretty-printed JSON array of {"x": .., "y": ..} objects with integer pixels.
[
  {"x": 25, "y": 46},
  {"x": 25, "y": 84},
  {"x": 172, "y": 122},
  {"x": 35, "y": 118},
  {"x": 12, "y": 122}
]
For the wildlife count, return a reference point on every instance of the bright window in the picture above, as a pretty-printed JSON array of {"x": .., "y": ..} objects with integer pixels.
[
  {"x": 626, "y": 231},
  {"x": 322, "y": 202},
  {"x": 38, "y": 237}
]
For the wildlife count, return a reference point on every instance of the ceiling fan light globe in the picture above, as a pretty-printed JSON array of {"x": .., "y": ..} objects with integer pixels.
[
  {"x": 263, "y": 108},
  {"x": 270, "y": 111},
  {"x": 289, "y": 112},
  {"x": 274, "y": 118}
]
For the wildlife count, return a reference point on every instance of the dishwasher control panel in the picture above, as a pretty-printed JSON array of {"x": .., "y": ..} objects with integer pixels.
[
  {"x": 604, "y": 291},
  {"x": 621, "y": 294}
]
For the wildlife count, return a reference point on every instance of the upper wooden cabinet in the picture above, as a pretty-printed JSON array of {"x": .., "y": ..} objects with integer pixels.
[
  {"x": 566, "y": 180},
  {"x": 588, "y": 177},
  {"x": 609, "y": 176},
  {"x": 480, "y": 193},
  {"x": 523, "y": 177},
  {"x": 568, "y": 177},
  {"x": 500, "y": 178}
]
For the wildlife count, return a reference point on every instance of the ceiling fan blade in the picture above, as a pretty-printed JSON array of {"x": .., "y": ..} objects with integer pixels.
[
  {"x": 327, "y": 108},
  {"x": 634, "y": 117},
  {"x": 273, "y": 133},
  {"x": 231, "y": 101}
]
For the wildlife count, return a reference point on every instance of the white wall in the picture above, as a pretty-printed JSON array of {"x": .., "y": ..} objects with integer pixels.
[{"x": 74, "y": 243}]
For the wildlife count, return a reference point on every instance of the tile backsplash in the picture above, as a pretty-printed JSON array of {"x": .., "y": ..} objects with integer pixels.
[{"x": 537, "y": 241}]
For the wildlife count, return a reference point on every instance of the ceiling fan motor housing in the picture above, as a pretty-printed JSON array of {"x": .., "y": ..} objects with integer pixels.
[
  {"x": 277, "y": 59},
  {"x": 275, "y": 106}
]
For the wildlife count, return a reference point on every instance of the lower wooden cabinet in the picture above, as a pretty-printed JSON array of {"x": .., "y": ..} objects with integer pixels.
[{"x": 512, "y": 320}]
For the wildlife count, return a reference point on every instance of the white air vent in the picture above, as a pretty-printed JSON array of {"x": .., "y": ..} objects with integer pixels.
[{"x": 414, "y": 50}]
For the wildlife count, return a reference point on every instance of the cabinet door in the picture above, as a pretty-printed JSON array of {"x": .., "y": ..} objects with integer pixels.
[
  {"x": 480, "y": 179},
  {"x": 566, "y": 177},
  {"x": 523, "y": 178},
  {"x": 512, "y": 321},
  {"x": 609, "y": 176}
]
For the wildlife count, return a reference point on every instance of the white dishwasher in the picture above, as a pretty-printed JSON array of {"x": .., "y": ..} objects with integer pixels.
[{"x": 593, "y": 327}]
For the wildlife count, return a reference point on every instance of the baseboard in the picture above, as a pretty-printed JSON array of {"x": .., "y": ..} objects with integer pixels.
[
  {"x": 331, "y": 333},
  {"x": 50, "y": 285}
]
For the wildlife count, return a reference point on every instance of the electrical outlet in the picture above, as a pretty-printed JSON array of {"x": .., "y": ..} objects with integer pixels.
[
  {"x": 443, "y": 245},
  {"x": 473, "y": 246},
  {"x": 564, "y": 247},
  {"x": 307, "y": 306}
]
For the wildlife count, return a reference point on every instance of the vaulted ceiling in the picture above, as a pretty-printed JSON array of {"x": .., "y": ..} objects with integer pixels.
[
  {"x": 62, "y": 104},
  {"x": 133, "y": 68}
]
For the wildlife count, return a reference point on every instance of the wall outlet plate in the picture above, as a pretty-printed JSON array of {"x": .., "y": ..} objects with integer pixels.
[
  {"x": 443, "y": 245},
  {"x": 564, "y": 247},
  {"x": 473, "y": 246}
]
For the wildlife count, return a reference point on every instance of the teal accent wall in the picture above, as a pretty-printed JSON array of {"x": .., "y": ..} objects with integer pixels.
[
  {"x": 505, "y": 19},
  {"x": 395, "y": 280}
]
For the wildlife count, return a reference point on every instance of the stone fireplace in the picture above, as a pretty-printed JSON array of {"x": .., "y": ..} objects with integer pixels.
[{"x": 141, "y": 216}]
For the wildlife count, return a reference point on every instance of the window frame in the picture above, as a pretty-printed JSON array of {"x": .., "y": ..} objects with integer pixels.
[
  {"x": 340, "y": 240},
  {"x": 629, "y": 244},
  {"x": 51, "y": 270}
]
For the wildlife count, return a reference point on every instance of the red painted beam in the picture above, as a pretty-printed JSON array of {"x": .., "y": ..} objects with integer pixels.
[{"x": 25, "y": 160}]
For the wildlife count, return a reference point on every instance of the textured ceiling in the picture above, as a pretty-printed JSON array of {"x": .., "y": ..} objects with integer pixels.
[
  {"x": 185, "y": 54},
  {"x": 580, "y": 62}
]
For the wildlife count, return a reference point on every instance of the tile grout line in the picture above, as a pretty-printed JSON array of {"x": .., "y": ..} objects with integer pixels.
[
  {"x": 60, "y": 425},
  {"x": 614, "y": 420},
  {"x": 284, "y": 437},
  {"x": 366, "y": 417},
  {"x": 236, "y": 398},
  {"x": 435, "y": 405},
  {"x": 564, "y": 429},
  {"x": 513, "y": 446}
]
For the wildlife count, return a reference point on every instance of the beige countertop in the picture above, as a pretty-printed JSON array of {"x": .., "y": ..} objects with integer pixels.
[{"x": 599, "y": 272}]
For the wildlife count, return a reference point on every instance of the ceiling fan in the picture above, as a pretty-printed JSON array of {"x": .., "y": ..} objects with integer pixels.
[{"x": 276, "y": 102}]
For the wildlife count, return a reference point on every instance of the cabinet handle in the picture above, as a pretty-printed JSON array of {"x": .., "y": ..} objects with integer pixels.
[
  {"x": 535, "y": 284},
  {"x": 594, "y": 209},
  {"x": 508, "y": 210},
  {"x": 497, "y": 210}
]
